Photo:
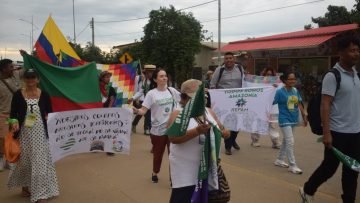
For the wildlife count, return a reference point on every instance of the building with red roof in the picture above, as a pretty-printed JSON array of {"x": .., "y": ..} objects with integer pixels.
[{"x": 311, "y": 51}]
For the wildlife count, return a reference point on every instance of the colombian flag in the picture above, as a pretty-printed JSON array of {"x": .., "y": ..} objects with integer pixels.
[{"x": 53, "y": 48}]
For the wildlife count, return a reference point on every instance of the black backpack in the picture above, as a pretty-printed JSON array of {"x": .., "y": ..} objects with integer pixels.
[
  {"x": 313, "y": 108},
  {"x": 222, "y": 71}
]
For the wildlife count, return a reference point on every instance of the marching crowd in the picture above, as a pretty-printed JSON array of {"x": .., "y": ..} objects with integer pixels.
[{"x": 24, "y": 108}]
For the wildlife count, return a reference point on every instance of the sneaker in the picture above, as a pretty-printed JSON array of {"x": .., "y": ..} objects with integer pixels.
[
  {"x": 147, "y": 132},
  {"x": 133, "y": 129},
  {"x": 276, "y": 146},
  {"x": 236, "y": 146},
  {"x": 255, "y": 144},
  {"x": 281, "y": 163},
  {"x": 295, "y": 170},
  {"x": 2, "y": 164},
  {"x": 154, "y": 178},
  {"x": 304, "y": 197},
  {"x": 228, "y": 152}
]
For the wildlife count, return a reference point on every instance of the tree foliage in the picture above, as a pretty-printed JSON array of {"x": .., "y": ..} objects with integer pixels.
[
  {"x": 171, "y": 40},
  {"x": 337, "y": 15}
]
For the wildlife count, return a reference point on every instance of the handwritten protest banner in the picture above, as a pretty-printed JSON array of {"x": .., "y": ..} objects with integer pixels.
[
  {"x": 244, "y": 109},
  {"x": 80, "y": 131}
]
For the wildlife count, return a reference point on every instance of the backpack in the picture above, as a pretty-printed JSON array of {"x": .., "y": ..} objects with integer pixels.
[
  {"x": 222, "y": 71},
  {"x": 313, "y": 109}
]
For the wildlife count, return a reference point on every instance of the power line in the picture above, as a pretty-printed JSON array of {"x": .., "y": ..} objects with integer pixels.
[
  {"x": 87, "y": 25},
  {"x": 263, "y": 11},
  {"x": 124, "y": 33},
  {"x": 119, "y": 21},
  {"x": 141, "y": 18},
  {"x": 224, "y": 18},
  {"x": 197, "y": 5}
]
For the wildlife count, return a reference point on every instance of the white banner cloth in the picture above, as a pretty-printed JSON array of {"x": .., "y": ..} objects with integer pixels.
[
  {"x": 244, "y": 109},
  {"x": 80, "y": 131}
]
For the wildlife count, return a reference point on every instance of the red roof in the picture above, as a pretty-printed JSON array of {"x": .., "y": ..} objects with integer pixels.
[{"x": 299, "y": 39}]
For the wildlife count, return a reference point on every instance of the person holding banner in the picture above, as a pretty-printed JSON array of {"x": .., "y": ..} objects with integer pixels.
[
  {"x": 186, "y": 150},
  {"x": 162, "y": 100},
  {"x": 108, "y": 93},
  {"x": 228, "y": 76},
  {"x": 274, "y": 135},
  {"x": 35, "y": 171},
  {"x": 289, "y": 101}
]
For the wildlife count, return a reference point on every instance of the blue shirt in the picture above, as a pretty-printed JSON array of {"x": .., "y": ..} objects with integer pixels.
[{"x": 288, "y": 101}]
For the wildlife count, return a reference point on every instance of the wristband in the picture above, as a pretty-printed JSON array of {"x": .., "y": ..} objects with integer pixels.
[{"x": 11, "y": 121}]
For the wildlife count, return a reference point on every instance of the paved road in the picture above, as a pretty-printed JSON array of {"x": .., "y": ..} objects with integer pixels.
[{"x": 95, "y": 177}]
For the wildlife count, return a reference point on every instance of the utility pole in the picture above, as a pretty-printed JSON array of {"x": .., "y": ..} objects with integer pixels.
[
  {"x": 219, "y": 33},
  {"x": 32, "y": 35},
  {"x": 92, "y": 30},
  {"x": 74, "y": 21}
]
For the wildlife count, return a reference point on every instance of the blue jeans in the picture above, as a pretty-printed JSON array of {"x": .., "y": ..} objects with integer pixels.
[{"x": 287, "y": 147}]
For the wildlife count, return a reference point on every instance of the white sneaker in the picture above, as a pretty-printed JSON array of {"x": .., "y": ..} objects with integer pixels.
[
  {"x": 304, "y": 197},
  {"x": 2, "y": 164},
  {"x": 295, "y": 170},
  {"x": 255, "y": 144},
  {"x": 281, "y": 163}
]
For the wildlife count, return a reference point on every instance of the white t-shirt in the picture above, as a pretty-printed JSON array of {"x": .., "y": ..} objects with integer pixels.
[
  {"x": 161, "y": 103},
  {"x": 185, "y": 158}
]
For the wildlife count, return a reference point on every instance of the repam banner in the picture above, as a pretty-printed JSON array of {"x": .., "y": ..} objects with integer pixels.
[
  {"x": 89, "y": 130},
  {"x": 244, "y": 109}
]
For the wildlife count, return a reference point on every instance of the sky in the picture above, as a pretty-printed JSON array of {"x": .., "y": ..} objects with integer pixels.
[{"x": 240, "y": 19}]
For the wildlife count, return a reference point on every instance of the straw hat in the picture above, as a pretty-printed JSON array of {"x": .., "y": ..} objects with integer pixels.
[{"x": 190, "y": 87}]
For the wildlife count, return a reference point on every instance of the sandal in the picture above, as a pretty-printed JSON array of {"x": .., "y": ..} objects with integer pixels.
[{"x": 25, "y": 192}]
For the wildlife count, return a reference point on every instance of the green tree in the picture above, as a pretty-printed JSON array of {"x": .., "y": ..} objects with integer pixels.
[
  {"x": 77, "y": 48},
  {"x": 92, "y": 53},
  {"x": 336, "y": 15},
  {"x": 355, "y": 13},
  {"x": 171, "y": 40}
]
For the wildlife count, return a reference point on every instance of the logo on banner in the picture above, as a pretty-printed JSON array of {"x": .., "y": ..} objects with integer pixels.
[
  {"x": 241, "y": 102},
  {"x": 68, "y": 144},
  {"x": 118, "y": 146}
]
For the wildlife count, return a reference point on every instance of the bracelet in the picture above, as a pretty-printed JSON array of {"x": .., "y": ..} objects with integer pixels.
[{"x": 12, "y": 121}]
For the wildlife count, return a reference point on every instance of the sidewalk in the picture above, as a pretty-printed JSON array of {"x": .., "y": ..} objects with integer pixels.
[{"x": 97, "y": 178}]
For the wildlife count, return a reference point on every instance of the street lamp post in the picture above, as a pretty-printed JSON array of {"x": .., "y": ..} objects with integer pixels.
[
  {"x": 74, "y": 21},
  {"x": 32, "y": 31},
  {"x": 29, "y": 40}
]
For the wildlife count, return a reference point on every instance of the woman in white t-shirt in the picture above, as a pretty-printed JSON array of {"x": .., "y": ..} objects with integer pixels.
[
  {"x": 185, "y": 151},
  {"x": 162, "y": 100}
]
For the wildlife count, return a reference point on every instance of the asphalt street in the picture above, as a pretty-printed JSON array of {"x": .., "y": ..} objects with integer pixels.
[{"x": 253, "y": 178}]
